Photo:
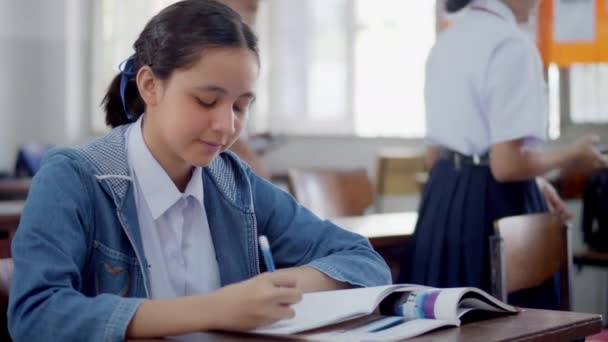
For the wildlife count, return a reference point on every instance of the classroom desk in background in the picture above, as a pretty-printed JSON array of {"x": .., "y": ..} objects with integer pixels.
[
  {"x": 14, "y": 188},
  {"x": 10, "y": 212},
  {"x": 591, "y": 258},
  {"x": 529, "y": 325},
  {"x": 383, "y": 230},
  {"x": 388, "y": 233}
]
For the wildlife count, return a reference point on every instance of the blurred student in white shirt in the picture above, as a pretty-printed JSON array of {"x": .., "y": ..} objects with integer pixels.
[{"x": 486, "y": 117}]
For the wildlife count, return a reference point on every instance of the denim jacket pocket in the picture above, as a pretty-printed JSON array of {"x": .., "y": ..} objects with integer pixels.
[{"x": 114, "y": 272}]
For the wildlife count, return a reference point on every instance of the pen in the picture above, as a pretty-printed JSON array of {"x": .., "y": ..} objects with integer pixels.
[{"x": 265, "y": 248}]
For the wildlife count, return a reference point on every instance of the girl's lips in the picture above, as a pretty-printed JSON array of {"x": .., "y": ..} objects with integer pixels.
[{"x": 211, "y": 146}]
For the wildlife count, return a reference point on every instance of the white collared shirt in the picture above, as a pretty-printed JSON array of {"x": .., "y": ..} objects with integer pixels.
[
  {"x": 484, "y": 83},
  {"x": 175, "y": 233}
]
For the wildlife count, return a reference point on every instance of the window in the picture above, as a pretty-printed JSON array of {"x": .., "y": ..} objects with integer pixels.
[
  {"x": 588, "y": 89},
  {"x": 346, "y": 67},
  {"x": 392, "y": 41},
  {"x": 580, "y": 88},
  {"x": 335, "y": 67},
  {"x": 115, "y": 28}
]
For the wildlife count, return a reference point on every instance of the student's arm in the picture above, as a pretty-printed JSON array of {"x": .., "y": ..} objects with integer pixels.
[
  {"x": 242, "y": 306},
  {"x": 300, "y": 239},
  {"x": 510, "y": 161},
  {"x": 554, "y": 201},
  {"x": 309, "y": 279},
  {"x": 513, "y": 100},
  {"x": 50, "y": 251},
  {"x": 431, "y": 156}
]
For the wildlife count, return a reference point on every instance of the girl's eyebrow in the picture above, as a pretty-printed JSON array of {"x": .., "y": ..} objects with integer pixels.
[{"x": 217, "y": 89}]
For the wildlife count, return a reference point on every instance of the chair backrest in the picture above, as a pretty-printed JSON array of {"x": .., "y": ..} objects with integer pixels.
[
  {"x": 398, "y": 171},
  {"x": 332, "y": 193},
  {"x": 529, "y": 249},
  {"x": 6, "y": 274}
]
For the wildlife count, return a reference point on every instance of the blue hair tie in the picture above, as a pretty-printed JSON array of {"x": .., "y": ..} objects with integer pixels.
[{"x": 126, "y": 72}]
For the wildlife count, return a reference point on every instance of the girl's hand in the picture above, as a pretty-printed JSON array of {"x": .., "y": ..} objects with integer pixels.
[
  {"x": 555, "y": 203},
  {"x": 585, "y": 155},
  {"x": 256, "y": 302}
]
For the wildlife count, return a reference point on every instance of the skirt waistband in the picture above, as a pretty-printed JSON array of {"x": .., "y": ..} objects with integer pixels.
[{"x": 459, "y": 159}]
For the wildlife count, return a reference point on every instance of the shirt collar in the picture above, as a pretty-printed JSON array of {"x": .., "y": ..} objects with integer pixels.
[
  {"x": 157, "y": 187},
  {"x": 497, "y": 7}
]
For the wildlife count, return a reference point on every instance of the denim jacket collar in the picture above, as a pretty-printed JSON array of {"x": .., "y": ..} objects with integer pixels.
[{"x": 108, "y": 155}]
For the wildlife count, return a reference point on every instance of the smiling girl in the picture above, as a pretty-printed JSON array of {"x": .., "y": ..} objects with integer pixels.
[{"x": 152, "y": 229}]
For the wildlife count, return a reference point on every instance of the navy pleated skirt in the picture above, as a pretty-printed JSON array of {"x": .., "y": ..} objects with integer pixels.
[{"x": 450, "y": 247}]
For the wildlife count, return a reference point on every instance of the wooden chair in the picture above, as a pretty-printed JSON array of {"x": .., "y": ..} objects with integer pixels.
[
  {"x": 529, "y": 249},
  {"x": 332, "y": 193},
  {"x": 397, "y": 173}
]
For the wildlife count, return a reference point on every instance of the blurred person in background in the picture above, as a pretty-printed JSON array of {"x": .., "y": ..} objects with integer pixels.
[{"x": 486, "y": 116}]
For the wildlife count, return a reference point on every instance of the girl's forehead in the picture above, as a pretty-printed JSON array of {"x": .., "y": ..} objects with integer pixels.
[{"x": 234, "y": 68}]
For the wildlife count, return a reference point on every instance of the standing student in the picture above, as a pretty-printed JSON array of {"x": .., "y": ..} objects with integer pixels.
[
  {"x": 152, "y": 229},
  {"x": 485, "y": 114}
]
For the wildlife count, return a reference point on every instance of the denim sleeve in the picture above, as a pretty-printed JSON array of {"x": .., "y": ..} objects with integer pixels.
[
  {"x": 49, "y": 251},
  {"x": 299, "y": 238}
]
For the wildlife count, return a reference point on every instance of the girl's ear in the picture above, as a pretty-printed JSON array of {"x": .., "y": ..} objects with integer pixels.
[{"x": 148, "y": 85}]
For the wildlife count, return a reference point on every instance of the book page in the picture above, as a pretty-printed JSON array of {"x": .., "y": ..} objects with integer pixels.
[
  {"x": 318, "y": 309},
  {"x": 447, "y": 304},
  {"x": 468, "y": 304},
  {"x": 390, "y": 328},
  {"x": 451, "y": 301},
  {"x": 410, "y": 302}
]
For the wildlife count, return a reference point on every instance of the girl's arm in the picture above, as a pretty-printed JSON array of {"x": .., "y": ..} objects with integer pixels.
[
  {"x": 52, "y": 263},
  {"x": 242, "y": 306},
  {"x": 510, "y": 161},
  {"x": 431, "y": 156},
  {"x": 309, "y": 279},
  {"x": 321, "y": 255}
]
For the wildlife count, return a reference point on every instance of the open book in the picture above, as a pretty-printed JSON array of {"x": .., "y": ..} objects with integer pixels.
[{"x": 382, "y": 313}]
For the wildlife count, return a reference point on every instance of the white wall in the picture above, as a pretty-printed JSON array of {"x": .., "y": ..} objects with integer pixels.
[{"x": 335, "y": 152}]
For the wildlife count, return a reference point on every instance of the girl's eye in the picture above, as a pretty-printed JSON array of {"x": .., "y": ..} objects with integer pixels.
[{"x": 206, "y": 104}]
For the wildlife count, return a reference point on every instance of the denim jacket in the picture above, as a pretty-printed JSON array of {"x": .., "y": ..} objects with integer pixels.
[{"x": 80, "y": 269}]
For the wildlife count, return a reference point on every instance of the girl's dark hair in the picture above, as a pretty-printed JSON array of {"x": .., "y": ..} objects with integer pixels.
[
  {"x": 174, "y": 39},
  {"x": 456, "y": 5}
]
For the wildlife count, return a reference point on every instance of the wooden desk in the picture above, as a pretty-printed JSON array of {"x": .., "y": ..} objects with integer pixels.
[
  {"x": 14, "y": 188},
  {"x": 591, "y": 258},
  {"x": 388, "y": 233},
  {"x": 536, "y": 325},
  {"x": 383, "y": 230},
  {"x": 10, "y": 212}
]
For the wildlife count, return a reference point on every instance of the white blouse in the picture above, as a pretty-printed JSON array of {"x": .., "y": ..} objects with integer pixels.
[
  {"x": 175, "y": 233},
  {"x": 484, "y": 83}
]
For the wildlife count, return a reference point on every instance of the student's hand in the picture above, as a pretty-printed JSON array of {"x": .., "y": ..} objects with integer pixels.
[
  {"x": 256, "y": 302},
  {"x": 585, "y": 155},
  {"x": 555, "y": 203}
]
